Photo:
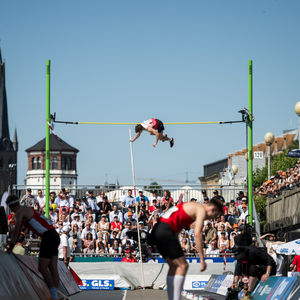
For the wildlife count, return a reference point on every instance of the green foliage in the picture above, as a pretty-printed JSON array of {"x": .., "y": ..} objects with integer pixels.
[
  {"x": 259, "y": 202},
  {"x": 154, "y": 186}
]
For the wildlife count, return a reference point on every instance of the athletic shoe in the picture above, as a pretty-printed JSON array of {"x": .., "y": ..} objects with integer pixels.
[
  {"x": 171, "y": 142},
  {"x": 247, "y": 296}
]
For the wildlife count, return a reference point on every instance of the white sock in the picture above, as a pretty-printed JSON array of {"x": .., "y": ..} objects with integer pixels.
[
  {"x": 178, "y": 286},
  {"x": 53, "y": 292},
  {"x": 170, "y": 281}
]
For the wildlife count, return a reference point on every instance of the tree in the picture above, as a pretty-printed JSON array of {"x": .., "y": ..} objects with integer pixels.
[{"x": 154, "y": 186}]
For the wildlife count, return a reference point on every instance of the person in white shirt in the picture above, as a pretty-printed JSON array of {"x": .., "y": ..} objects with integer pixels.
[
  {"x": 213, "y": 250},
  {"x": 279, "y": 263},
  {"x": 40, "y": 199},
  {"x": 52, "y": 216},
  {"x": 71, "y": 199},
  {"x": 154, "y": 127},
  {"x": 115, "y": 212},
  {"x": 77, "y": 222},
  {"x": 64, "y": 251},
  {"x": 127, "y": 228},
  {"x": 93, "y": 224},
  {"x": 64, "y": 203},
  {"x": 63, "y": 218},
  {"x": 154, "y": 197},
  {"x": 76, "y": 212},
  {"x": 86, "y": 230},
  {"x": 244, "y": 214}
]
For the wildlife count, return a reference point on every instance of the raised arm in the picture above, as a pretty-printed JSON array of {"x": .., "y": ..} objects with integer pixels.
[{"x": 136, "y": 136}]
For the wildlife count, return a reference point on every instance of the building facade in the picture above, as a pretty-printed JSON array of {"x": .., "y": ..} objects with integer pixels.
[
  {"x": 63, "y": 165},
  {"x": 8, "y": 148}
]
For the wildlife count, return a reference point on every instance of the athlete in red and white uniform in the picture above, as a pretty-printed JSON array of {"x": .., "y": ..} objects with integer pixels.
[
  {"x": 40, "y": 225},
  {"x": 154, "y": 127},
  {"x": 165, "y": 237}
]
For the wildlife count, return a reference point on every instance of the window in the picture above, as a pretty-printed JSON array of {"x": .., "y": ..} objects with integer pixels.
[
  {"x": 33, "y": 163},
  {"x": 63, "y": 163},
  {"x": 69, "y": 163},
  {"x": 39, "y": 163},
  {"x": 54, "y": 163}
]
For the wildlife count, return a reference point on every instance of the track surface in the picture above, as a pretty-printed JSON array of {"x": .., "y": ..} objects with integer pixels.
[{"x": 147, "y": 294}]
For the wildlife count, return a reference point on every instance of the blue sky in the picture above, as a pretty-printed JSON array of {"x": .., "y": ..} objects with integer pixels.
[{"x": 128, "y": 61}]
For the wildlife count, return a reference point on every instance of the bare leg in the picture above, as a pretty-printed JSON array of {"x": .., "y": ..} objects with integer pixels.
[
  {"x": 44, "y": 263},
  {"x": 252, "y": 283},
  {"x": 53, "y": 271},
  {"x": 163, "y": 137}
]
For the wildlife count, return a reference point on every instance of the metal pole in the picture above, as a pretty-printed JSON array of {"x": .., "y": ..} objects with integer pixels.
[
  {"x": 137, "y": 216},
  {"x": 47, "y": 161},
  {"x": 250, "y": 141},
  {"x": 269, "y": 161}
]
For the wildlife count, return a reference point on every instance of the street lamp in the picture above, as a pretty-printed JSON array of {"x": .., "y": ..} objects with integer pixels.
[
  {"x": 297, "y": 111},
  {"x": 269, "y": 139}
]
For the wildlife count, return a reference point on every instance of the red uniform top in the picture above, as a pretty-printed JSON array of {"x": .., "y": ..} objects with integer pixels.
[
  {"x": 177, "y": 218},
  {"x": 38, "y": 223},
  {"x": 129, "y": 260},
  {"x": 115, "y": 225},
  {"x": 296, "y": 262}
]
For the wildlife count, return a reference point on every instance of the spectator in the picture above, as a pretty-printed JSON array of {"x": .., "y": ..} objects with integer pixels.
[
  {"x": 154, "y": 197},
  {"x": 88, "y": 203},
  {"x": 182, "y": 236},
  {"x": 114, "y": 237},
  {"x": 75, "y": 248},
  {"x": 75, "y": 235},
  {"x": 116, "y": 225},
  {"x": 233, "y": 211},
  {"x": 77, "y": 212},
  {"x": 158, "y": 210},
  {"x": 210, "y": 235},
  {"x": 127, "y": 228},
  {"x": 114, "y": 246},
  {"x": 204, "y": 195},
  {"x": 143, "y": 214},
  {"x": 185, "y": 246},
  {"x": 244, "y": 202},
  {"x": 235, "y": 230},
  {"x": 295, "y": 267},
  {"x": 167, "y": 194},
  {"x": 40, "y": 199},
  {"x": 239, "y": 198},
  {"x": 100, "y": 198},
  {"x": 19, "y": 249},
  {"x": 115, "y": 213},
  {"x": 127, "y": 245},
  {"x": 87, "y": 230},
  {"x": 213, "y": 251},
  {"x": 63, "y": 218},
  {"x": 29, "y": 200},
  {"x": 92, "y": 203},
  {"x": 101, "y": 249},
  {"x": 101, "y": 238},
  {"x": 152, "y": 208},
  {"x": 64, "y": 251},
  {"x": 90, "y": 249},
  {"x": 217, "y": 196},
  {"x": 223, "y": 222},
  {"x": 64, "y": 202},
  {"x": 133, "y": 222},
  {"x": 104, "y": 206},
  {"x": 270, "y": 241},
  {"x": 225, "y": 209},
  {"x": 153, "y": 220},
  {"x": 103, "y": 226},
  {"x": 143, "y": 204},
  {"x": 232, "y": 235},
  {"x": 90, "y": 212},
  {"x": 244, "y": 214},
  {"x": 71, "y": 199},
  {"x": 59, "y": 227},
  {"x": 279, "y": 263},
  {"x": 52, "y": 216},
  {"x": 205, "y": 200},
  {"x": 52, "y": 204},
  {"x": 128, "y": 258},
  {"x": 128, "y": 200},
  {"x": 89, "y": 240},
  {"x": 76, "y": 222},
  {"x": 222, "y": 229},
  {"x": 130, "y": 209},
  {"x": 167, "y": 204},
  {"x": 223, "y": 242},
  {"x": 141, "y": 196}
]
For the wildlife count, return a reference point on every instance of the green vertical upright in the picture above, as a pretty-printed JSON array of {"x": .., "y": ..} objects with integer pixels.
[
  {"x": 47, "y": 161},
  {"x": 250, "y": 142}
]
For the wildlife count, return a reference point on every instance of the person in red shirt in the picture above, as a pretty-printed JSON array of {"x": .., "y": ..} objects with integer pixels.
[
  {"x": 128, "y": 258},
  {"x": 116, "y": 225},
  {"x": 152, "y": 208},
  {"x": 11, "y": 222},
  {"x": 43, "y": 227},
  {"x": 167, "y": 194},
  {"x": 296, "y": 264}
]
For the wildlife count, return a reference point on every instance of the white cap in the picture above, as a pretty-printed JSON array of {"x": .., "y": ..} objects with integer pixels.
[
  {"x": 66, "y": 229},
  {"x": 140, "y": 190}
]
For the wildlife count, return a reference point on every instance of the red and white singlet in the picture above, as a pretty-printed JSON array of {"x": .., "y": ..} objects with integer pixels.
[
  {"x": 177, "y": 218},
  {"x": 38, "y": 223},
  {"x": 152, "y": 122}
]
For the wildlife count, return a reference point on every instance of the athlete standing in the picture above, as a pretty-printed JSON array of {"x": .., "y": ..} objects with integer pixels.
[
  {"x": 165, "y": 237},
  {"x": 154, "y": 127},
  {"x": 40, "y": 225}
]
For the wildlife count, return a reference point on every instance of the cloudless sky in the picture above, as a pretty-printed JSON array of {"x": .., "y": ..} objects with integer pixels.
[{"x": 128, "y": 61}]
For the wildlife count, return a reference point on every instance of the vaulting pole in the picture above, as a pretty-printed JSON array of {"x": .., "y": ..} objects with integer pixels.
[
  {"x": 250, "y": 142},
  {"x": 47, "y": 161},
  {"x": 136, "y": 209}
]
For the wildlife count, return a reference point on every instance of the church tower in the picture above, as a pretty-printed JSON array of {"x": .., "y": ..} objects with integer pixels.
[{"x": 8, "y": 149}]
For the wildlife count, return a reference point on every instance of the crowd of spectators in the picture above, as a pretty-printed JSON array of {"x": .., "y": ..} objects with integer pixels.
[
  {"x": 99, "y": 226},
  {"x": 282, "y": 181}
]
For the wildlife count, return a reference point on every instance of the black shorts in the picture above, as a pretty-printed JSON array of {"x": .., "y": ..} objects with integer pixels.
[
  {"x": 259, "y": 271},
  {"x": 49, "y": 244},
  {"x": 166, "y": 242},
  {"x": 160, "y": 126}
]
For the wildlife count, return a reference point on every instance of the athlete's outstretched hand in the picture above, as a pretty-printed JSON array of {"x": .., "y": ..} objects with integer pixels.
[
  {"x": 154, "y": 145},
  {"x": 203, "y": 266},
  {"x": 131, "y": 141}
]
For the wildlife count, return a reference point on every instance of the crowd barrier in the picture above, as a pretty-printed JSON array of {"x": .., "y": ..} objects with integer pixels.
[{"x": 18, "y": 282}]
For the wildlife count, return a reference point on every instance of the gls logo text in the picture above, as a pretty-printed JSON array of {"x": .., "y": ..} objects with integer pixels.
[{"x": 97, "y": 284}]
